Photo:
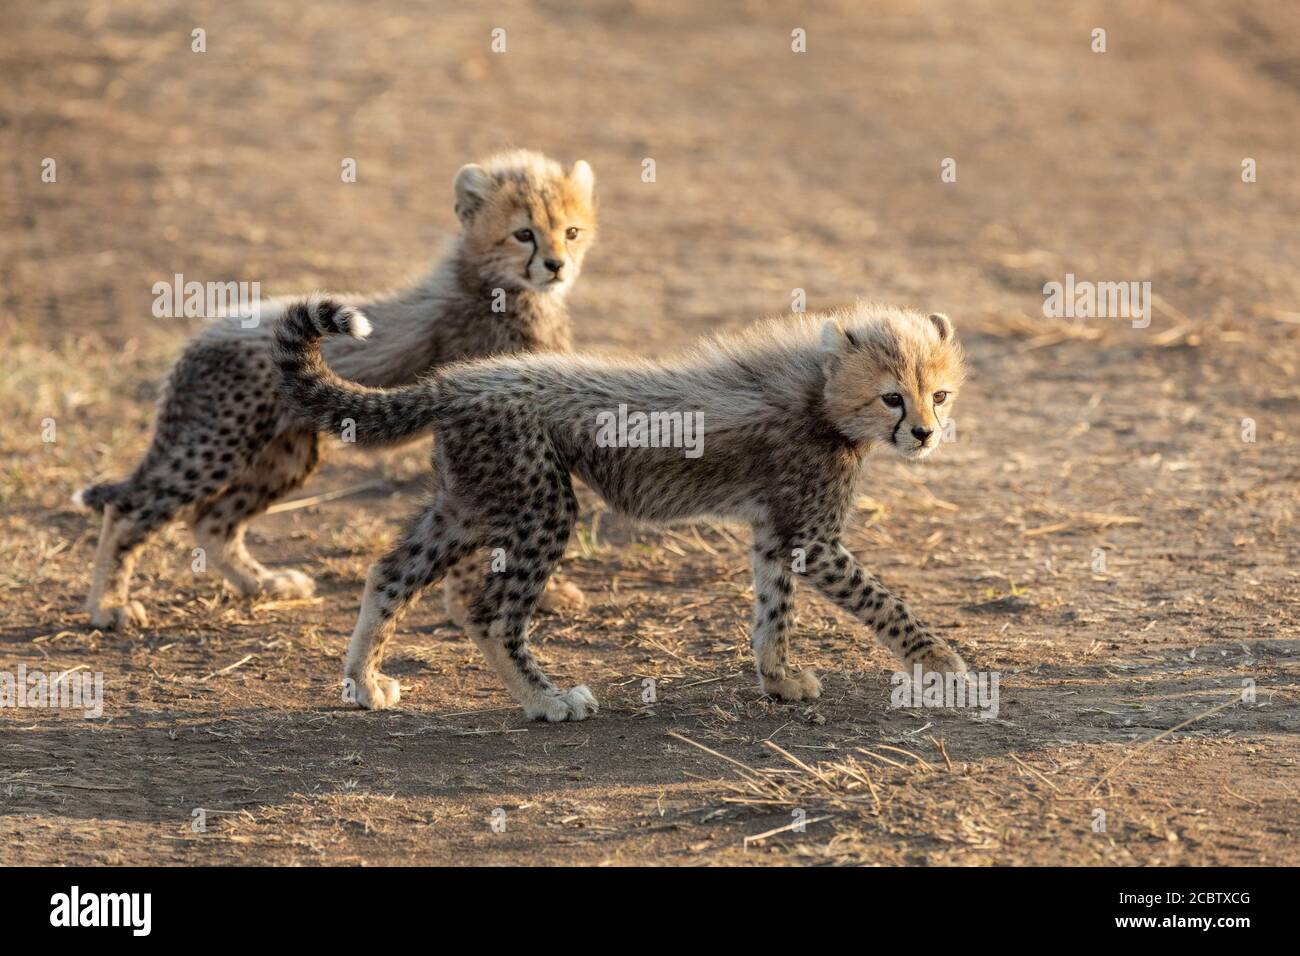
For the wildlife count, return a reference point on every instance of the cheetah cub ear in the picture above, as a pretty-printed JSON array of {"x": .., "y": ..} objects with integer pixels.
[
  {"x": 473, "y": 186},
  {"x": 943, "y": 324},
  {"x": 583, "y": 179},
  {"x": 836, "y": 342},
  {"x": 836, "y": 339}
]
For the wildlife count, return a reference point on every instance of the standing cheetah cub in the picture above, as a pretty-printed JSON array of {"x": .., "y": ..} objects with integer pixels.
[
  {"x": 225, "y": 447},
  {"x": 790, "y": 410}
]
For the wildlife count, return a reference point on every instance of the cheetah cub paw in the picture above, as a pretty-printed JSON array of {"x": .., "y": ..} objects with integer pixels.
[
  {"x": 796, "y": 685},
  {"x": 119, "y": 617},
  {"x": 288, "y": 584},
  {"x": 577, "y": 703},
  {"x": 939, "y": 659},
  {"x": 560, "y": 596},
  {"x": 456, "y": 608},
  {"x": 373, "y": 692}
]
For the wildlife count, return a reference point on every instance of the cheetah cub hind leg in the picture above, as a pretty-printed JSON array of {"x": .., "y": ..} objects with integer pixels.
[{"x": 559, "y": 597}]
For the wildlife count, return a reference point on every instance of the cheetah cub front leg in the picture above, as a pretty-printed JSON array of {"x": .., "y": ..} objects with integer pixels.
[
  {"x": 773, "y": 606},
  {"x": 837, "y": 574}
]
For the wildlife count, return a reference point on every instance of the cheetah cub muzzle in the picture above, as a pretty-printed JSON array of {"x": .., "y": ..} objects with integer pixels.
[{"x": 788, "y": 409}]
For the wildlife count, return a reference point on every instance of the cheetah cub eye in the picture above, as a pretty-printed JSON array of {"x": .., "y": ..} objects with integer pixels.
[
  {"x": 940, "y": 397},
  {"x": 892, "y": 399},
  {"x": 524, "y": 235}
]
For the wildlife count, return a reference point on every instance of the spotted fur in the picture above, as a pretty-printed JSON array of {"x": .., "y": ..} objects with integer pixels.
[
  {"x": 790, "y": 410},
  {"x": 225, "y": 447}
]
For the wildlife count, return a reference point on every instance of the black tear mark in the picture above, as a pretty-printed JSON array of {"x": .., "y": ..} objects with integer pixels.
[
  {"x": 528, "y": 266},
  {"x": 893, "y": 436}
]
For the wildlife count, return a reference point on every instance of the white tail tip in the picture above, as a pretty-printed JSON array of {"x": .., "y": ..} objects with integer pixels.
[
  {"x": 359, "y": 326},
  {"x": 79, "y": 499}
]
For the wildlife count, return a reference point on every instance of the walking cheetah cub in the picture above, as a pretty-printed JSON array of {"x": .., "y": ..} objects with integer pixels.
[
  {"x": 790, "y": 410},
  {"x": 225, "y": 447}
]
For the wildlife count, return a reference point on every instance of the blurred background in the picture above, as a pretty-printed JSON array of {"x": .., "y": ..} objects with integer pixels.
[{"x": 775, "y": 170}]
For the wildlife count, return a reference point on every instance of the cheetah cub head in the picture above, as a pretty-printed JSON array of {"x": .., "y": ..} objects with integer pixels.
[
  {"x": 527, "y": 223},
  {"x": 891, "y": 377}
]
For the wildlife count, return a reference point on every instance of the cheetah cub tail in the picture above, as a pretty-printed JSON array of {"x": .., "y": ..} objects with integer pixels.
[
  {"x": 332, "y": 318},
  {"x": 315, "y": 394},
  {"x": 95, "y": 498}
]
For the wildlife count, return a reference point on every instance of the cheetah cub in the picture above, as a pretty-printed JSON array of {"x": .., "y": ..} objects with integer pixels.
[
  {"x": 225, "y": 446},
  {"x": 789, "y": 411}
]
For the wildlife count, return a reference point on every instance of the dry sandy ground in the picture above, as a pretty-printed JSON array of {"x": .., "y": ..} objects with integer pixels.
[{"x": 775, "y": 171}]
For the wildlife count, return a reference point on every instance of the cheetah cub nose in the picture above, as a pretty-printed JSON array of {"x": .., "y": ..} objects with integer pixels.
[{"x": 921, "y": 434}]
